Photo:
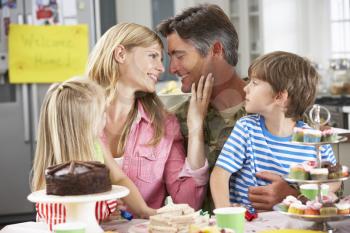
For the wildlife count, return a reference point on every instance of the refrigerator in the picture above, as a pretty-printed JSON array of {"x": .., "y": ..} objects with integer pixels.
[{"x": 20, "y": 103}]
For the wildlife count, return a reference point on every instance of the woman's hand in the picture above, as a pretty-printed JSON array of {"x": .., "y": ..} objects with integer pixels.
[{"x": 199, "y": 103}]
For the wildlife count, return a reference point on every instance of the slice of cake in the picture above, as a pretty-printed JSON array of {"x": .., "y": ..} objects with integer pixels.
[{"x": 77, "y": 178}]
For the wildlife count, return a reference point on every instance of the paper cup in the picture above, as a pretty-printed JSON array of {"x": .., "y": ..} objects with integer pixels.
[
  {"x": 231, "y": 217},
  {"x": 72, "y": 227},
  {"x": 311, "y": 190}
]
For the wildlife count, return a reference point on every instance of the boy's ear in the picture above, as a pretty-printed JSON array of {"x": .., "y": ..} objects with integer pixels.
[
  {"x": 119, "y": 54},
  {"x": 282, "y": 98}
]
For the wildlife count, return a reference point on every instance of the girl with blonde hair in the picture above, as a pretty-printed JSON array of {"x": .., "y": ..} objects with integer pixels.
[
  {"x": 72, "y": 118},
  {"x": 127, "y": 62}
]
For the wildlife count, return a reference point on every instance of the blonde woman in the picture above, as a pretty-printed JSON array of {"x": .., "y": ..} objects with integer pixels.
[
  {"x": 72, "y": 118},
  {"x": 127, "y": 62}
]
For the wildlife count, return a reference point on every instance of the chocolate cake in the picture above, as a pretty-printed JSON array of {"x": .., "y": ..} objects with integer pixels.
[{"x": 77, "y": 178}]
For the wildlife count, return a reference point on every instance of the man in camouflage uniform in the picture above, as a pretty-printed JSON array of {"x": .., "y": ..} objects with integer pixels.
[
  {"x": 202, "y": 40},
  {"x": 217, "y": 46}
]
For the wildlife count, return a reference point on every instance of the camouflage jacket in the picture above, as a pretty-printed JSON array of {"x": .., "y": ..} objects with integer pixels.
[{"x": 216, "y": 131}]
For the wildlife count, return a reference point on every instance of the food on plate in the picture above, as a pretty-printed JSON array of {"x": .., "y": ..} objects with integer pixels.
[
  {"x": 328, "y": 209},
  {"x": 313, "y": 208},
  {"x": 77, "y": 178},
  {"x": 343, "y": 208},
  {"x": 308, "y": 170},
  {"x": 310, "y": 135},
  {"x": 328, "y": 135},
  {"x": 298, "y": 171},
  {"x": 174, "y": 218},
  {"x": 170, "y": 88},
  {"x": 296, "y": 208},
  {"x": 319, "y": 174},
  {"x": 284, "y": 206}
]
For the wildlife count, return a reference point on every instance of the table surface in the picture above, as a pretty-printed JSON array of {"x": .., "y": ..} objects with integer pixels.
[{"x": 265, "y": 221}]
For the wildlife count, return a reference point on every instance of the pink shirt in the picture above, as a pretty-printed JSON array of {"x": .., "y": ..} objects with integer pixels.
[{"x": 162, "y": 170}]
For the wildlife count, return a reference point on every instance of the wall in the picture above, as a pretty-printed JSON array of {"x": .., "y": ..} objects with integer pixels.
[
  {"x": 181, "y": 4},
  {"x": 128, "y": 12},
  {"x": 297, "y": 26}
]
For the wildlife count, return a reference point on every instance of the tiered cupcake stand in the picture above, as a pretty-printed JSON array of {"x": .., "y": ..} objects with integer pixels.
[
  {"x": 81, "y": 208},
  {"x": 320, "y": 221}
]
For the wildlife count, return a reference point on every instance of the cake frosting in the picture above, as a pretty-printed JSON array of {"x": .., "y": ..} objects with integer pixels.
[{"x": 77, "y": 178}]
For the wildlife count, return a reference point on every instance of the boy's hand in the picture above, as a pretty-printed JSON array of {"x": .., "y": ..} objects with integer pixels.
[{"x": 265, "y": 197}]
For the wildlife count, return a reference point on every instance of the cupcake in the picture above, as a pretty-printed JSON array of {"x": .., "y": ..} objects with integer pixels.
[
  {"x": 328, "y": 209},
  {"x": 328, "y": 135},
  {"x": 319, "y": 173},
  {"x": 343, "y": 208},
  {"x": 298, "y": 134},
  {"x": 298, "y": 172},
  {"x": 296, "y": 208},
  {"x": 312, "y": 135},
  {"x": 284, "y": 206},
  {"x": 313, "y": 208}
]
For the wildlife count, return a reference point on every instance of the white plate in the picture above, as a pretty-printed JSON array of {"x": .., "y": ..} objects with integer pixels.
[{"x": 116, "y": 192}]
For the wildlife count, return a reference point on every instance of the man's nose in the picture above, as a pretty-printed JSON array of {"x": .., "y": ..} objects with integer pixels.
[{"x": 172, "y": 66}]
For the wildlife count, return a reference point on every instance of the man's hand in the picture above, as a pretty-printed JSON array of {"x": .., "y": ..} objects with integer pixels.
[{"x": 265, "y": 197}]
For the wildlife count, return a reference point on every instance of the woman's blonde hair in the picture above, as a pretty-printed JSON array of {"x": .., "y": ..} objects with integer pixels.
[
  {"x": 70, "y": 117},
  {"x": 104, "y": 69}
]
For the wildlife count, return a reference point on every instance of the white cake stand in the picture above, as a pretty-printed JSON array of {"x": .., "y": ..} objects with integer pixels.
[{"x": 81, "y": 208}]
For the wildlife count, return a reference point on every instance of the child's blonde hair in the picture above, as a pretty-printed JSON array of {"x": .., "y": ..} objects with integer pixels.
[
  {"x": 70, "y": 118},
  {"x": 104, "y": 69}
]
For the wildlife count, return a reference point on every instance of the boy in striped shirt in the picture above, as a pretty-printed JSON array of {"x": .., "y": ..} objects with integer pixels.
[{"x": 282, "y": 86}]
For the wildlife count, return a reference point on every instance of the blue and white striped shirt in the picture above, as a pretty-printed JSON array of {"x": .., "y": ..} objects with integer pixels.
[{"x": 251, "y": 148}]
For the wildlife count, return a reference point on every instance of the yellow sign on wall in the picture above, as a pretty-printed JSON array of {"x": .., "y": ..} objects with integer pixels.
[{"x": 45, "y": 54}]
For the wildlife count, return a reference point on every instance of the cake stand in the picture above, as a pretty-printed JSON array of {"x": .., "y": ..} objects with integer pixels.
[
  {"x": 320, "y": 222},
  {"x": 81, "y": 208}
]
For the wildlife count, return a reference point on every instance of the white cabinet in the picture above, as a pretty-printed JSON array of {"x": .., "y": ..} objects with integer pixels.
[{"x": 246, "y": 16}]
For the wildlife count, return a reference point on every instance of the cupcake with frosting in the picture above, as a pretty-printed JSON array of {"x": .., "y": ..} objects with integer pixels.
[
  {"x": 284, "y": 206},
  {"x": 298, "y": 172},
  {"x": 313, "y": 208},
  {"x": 328, "y": 135},
  {"x": 328, "y": 209},
  {"x": 319, "y": 173},
  {"x": 296, "y": 208},
  {"x": 298, "y": 134},
  {"x": 312, "y": 135},
  {"x": 343, "y": 208}
]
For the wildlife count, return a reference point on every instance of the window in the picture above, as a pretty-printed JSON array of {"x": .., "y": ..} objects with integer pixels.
[{"x": 340, "y": 28}]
